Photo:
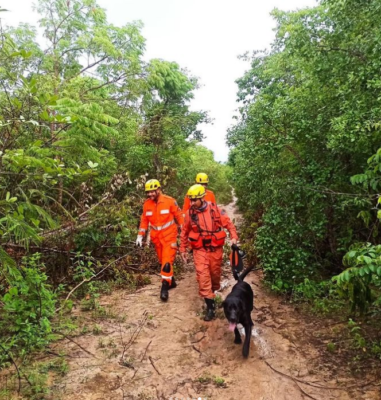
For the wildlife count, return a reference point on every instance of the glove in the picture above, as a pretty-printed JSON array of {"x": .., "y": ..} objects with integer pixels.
[{"x": 139, "y": 241}]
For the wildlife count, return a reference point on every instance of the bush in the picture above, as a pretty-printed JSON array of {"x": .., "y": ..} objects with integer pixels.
[{"x": 28, "y": 305}]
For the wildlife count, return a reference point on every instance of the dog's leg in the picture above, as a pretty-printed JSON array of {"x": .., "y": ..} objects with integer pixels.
[
  {"x": 246, "y": 344},
  {"x": 237, "y": 336}
]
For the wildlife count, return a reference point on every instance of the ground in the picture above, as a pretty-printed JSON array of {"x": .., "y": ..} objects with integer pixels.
[{"x": 153, "y": 350}]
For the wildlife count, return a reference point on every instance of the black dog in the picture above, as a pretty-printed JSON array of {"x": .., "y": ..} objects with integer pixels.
[{"x": 238, "y": 306}]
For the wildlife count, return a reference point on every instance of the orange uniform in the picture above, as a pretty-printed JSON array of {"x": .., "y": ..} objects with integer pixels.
[
  {"x": 202, "y": 228},
  {"x": 162, "y": 216},
  {"x": 209, "y": 196}
]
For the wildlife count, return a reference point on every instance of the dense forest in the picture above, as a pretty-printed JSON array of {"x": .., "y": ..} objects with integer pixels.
[
  {"x": 306, "y": 153},
  {"x": 84, "y": 122}
]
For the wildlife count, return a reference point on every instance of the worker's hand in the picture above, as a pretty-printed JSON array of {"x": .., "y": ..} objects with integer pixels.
[
  {"x": 184, "y": 257},
  {"x": 233, "y": 241},
  {"x": 139, "y": 241}
]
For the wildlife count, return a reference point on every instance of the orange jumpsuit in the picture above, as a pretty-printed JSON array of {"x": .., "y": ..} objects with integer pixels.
[
  {"x": 209, "y": 196},
  {"x": 161, "y": 217},
  {"x": 207, "y": 261}
]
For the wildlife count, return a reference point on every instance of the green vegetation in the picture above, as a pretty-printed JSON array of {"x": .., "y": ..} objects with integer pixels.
[
  {"x": 207, "y": 378},
  {"x": 84, "y": 122},
  {"x": 305, "y": 155}
]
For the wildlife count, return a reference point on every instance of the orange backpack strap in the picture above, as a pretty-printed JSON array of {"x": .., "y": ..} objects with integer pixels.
[
  {"x": 193, "y": 221},
  {"x": 218, "y": 234},
  {"x": 236, "y": 260},
  {"x": 216, "y": 216},
  {"x": 194, "y": 237}
]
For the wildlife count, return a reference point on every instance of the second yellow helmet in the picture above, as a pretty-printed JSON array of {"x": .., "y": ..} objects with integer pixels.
[
  {"x": 202, "y": 178},
  {"x": 196, "y": 192}
]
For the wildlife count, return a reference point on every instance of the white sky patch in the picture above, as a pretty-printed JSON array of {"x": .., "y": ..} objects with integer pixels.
[{"x": 203, "y": 36}]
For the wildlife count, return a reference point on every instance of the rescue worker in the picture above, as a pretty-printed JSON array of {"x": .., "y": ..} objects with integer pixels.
[
  {"x": 160, "y": 212},
  {"x": 203, "y": 180},
  {"x": 203, "y": 229}
]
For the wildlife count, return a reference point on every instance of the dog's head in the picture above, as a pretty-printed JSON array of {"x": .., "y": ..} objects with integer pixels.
[{"x": 234, "y": 308}]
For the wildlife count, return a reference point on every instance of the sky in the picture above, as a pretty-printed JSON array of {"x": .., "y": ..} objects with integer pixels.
[{"x": 204, "y": 36}]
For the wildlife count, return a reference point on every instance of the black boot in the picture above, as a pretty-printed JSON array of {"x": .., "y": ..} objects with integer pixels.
[
  {"x": 173, "y": 283},
  {"x": 165, "y": 285},
  {"x": 164, "y": 291},
  {"x": 210, "y": 306}
]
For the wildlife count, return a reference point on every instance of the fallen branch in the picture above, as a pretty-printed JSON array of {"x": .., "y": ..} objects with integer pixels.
[
  {"x": 195, "y": 348},
  {"x": 314, "y": 385},
  {"x": 71, "y": 225},
  {"x": 295, "y": 380},
  {"x": 145, "y": 352},
  {"x": 53, "y": 353},
  {"x": 150, "y": 358},
  {"x": 135, "y": 372},
  {"x": 89, "y": 279},
  {"x": 199, "y": 340},
  {"x": 77, "y": 344},
  {"x": 134, "y": 335},
  {"x": 304, "y": 392},
  {"x": 39, "y": 248},
  {"x": 19, "y": 373}
]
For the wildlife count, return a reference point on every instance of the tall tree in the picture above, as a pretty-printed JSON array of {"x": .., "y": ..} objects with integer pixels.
[{"x": 309, "y": 121}]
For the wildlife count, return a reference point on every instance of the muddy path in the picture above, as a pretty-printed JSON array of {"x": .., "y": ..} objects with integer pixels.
[{"x": 155, "y": 350}]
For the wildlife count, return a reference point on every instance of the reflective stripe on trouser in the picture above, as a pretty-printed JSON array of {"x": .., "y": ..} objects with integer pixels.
[
  {"x": 166, "y": 248},
  {"x": 208, "y": 270}
]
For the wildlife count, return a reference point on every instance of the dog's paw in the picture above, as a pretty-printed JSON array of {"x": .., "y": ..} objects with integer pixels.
[{"x": 237, "y": 340}]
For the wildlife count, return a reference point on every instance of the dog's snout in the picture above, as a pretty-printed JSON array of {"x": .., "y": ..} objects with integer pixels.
[{"x": 233, "y": 317}]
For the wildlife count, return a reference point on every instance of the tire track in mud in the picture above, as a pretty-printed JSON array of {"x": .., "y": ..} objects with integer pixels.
[{"x": 178, "y": 355}]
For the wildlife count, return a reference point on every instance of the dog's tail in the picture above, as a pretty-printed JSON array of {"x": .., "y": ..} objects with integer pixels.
[{"x": 242, "y": 276}]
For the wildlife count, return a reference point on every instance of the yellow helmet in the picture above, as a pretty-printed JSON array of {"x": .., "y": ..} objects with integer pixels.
[
  {"x": 152, "y": 184},
  {"x": 202, "y": 178},
  {"x": 196, "y": 192}
]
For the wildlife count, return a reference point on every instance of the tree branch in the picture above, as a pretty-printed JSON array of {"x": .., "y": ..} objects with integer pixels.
[
  {"x": 104, "y": 84},
  {"x": 90, "y": 279},
  {"x": 17, "y": 369}
]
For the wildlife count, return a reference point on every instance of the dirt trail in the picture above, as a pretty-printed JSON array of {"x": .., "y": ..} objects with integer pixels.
[{"x": 169, "y": 352}]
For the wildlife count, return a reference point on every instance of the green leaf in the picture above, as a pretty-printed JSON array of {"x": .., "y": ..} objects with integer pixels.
[{"x": 92, "y": 165}]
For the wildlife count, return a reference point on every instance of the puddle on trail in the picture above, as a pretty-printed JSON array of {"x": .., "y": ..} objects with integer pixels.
[
  {"x": 261, "y": 343},
  {"x": 224, "y": 284}
]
